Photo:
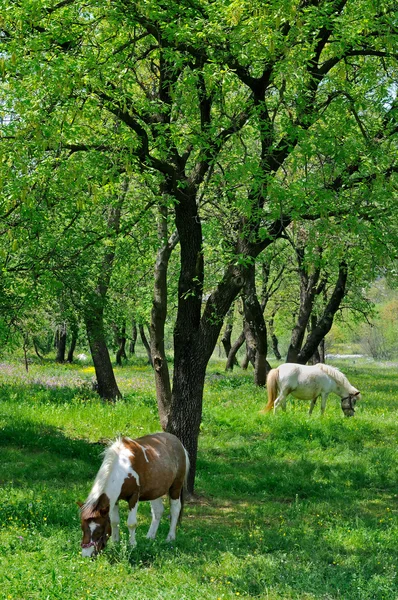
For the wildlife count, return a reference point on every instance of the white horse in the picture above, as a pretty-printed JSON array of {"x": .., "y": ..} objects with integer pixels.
[{"x": 307, "y": 383}]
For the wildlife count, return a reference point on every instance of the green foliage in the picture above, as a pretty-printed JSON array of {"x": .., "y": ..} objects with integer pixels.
[{"x": 288, "y": 507}]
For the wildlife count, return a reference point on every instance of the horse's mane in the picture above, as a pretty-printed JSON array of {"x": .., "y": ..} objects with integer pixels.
[
  {"x": 334, "y": 373},
  {"x": 110, "y": 455}
]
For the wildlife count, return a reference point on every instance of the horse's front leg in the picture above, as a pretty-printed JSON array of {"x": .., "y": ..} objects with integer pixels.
[
  {"x": 313, "y": 402},
  {"x": 157, "y": 509},
  {"x": 115, "y": 520},
  {"x": 132, "y": 518}
]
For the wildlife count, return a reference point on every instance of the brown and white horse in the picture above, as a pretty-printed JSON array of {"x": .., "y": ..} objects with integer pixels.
[
  {"x": 307, "y": 382},
  {"x": 146, "y": 468}
]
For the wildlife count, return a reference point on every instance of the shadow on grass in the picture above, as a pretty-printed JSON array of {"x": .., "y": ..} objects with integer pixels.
[
  {"x": 28, "y": 436},
  {"x": 52, "y": 391}
]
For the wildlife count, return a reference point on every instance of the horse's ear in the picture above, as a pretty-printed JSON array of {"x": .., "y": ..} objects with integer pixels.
[{"x": 80, "y": 504}]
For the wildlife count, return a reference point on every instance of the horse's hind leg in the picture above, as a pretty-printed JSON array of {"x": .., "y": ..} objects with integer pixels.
[
  {"x": 280, "y": 401},
  {"x": 175, "y": 509},
  {"x": 157, "y": 509},
  {"x": 115, "y": 520}
]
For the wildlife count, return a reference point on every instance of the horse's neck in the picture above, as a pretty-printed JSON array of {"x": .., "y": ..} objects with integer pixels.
[
  {"x": 111, "y": 475},
  {"x": 343, "y": 388},
  {"x": 114, "y": 482},
  {"x": 122, "y": 468}
]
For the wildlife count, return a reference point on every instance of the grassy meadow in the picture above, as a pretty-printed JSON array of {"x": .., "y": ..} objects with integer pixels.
[{"x": 287, "y": 507}]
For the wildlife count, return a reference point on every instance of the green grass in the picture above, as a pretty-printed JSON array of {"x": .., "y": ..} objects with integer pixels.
[{"x": 288, "y": 507}]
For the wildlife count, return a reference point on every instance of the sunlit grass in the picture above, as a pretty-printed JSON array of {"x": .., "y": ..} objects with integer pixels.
[{"x": 288, "y": 507}]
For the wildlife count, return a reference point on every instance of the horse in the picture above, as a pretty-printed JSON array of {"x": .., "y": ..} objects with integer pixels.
[
  {"x": 145, "y": 468},
  {"x": 307, "y": 382}
]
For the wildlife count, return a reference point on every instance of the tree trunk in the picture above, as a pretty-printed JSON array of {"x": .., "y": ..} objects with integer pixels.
[
  {"x": 250, "y": 355},
  {"x": 321, "y": 348},
  {"x": 325, "y": 322},
  {"x": 274, "y": 339},
  {"x": 37, "y": 349},
  {"x": 256, "y": 331},
  {"x": 134, "y": 335},
  {"x": 226, "y": 338},
  {"x": 316, "y": 357},
  {"x": 121, "y": 340},
  {"x": 145, "y": 344},
  {"x": 107, "y": 386},
  {"x": 61, "y": 348},
  {"x": 232, "y": 360},
  {"x": 185, "y": 411}
]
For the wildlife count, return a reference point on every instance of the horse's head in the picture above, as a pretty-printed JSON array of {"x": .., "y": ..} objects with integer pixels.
[
  {"x": 348, "y": 404},
  {"x": 96, "y": 528}
]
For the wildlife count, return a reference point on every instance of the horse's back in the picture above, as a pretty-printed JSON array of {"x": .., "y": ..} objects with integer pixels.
[{"x": 303, "y": 381}]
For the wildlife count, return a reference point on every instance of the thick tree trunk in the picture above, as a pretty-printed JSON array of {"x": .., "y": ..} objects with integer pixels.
[
  {"x": 325, "y": 322},
  {"x": 107, "y": 386},
  {"x": 232, "y": 360},
  {"x": 185, "y": 412},
  {"x": 61, "y": 347},
  {"x": 134, "y": 335}
]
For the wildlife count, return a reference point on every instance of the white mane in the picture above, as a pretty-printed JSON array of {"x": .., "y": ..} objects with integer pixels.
[
  {"x": 110, "y": 455},
  {"x": 335, "y": 374}
]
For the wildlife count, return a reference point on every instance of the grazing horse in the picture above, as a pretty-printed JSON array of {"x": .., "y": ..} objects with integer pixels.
[
  {"x": 307, "y": 383},
  {"x": 143, "y": 469}
]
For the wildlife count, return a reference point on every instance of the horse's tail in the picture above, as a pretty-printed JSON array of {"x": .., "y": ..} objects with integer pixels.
[
  {"x": 272, "y": 388},
  {"x": 184, "y": 487}
]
